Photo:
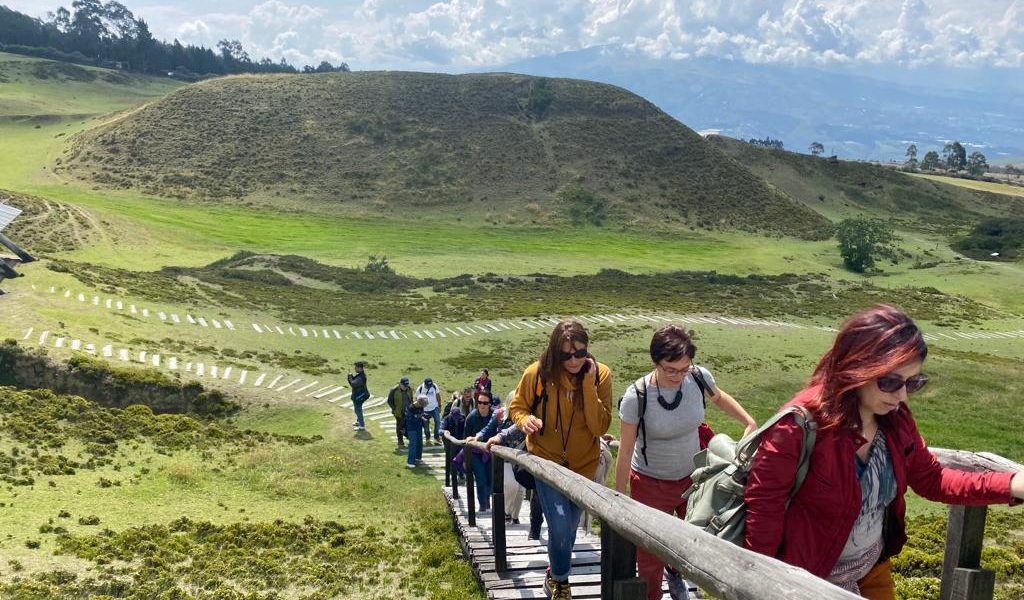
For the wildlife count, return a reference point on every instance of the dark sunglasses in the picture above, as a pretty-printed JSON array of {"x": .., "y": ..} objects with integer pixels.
[
  {"x": 484, "y": 402},
  {"x": 581, "y": 353},
  {"x": 892, "y": 383}
]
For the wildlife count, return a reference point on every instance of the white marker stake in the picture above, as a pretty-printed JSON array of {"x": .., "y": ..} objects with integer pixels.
[
  {"x": 356, "y": 334},
  {"x": 288, "y": 385},
  {"x": 162, "y": 315},
  {"x": 90, "y": 348},
  {"x": 259, "y": 379},
  {"x": 227, "y": 373},
  {"x": 191, "y": 320},
  {"x": 67, "y": 293},
  {"x": 203, "y": 322},
  {"x": 315, "y": 334},
  {"x": 326, "y": 334},
  {"x": 120, "y": 305},
  {"x": 213, "y": 371},
  {"x": 336, "y": 334},
  {"x": 28, "y": 333},
  {"x": 452, "y": 331},
  {"x": 441, "y": 333},
  {"x": 306, "y": 387},
  {"x": 418, "y": 334},
  {"x": 172, "y": 363},
  {"x": 81, "y": 297},
  {"x": 108, "y": 351},
  {"x": 274, "y": 382},
  {"x": 382, "y": 335},
  {"x": 257, "y": 328},
  {"x": 291, "y": 331},
  {"x": 123, "y": 355},
  {"x": 133, "y": 310},
  {"x": 229, "y": 324},
  {"x": 60, "y": 342},
  {"x": 76, "y": 344},
  {"x": 241, "y": 378},
  {"x": 43, "y": 336},
  {"x": 279, "y": 330},
  {"x": 429, "y": 335},
  {"x": 200, "y": 369},
  {"x": 142, "y": 356},
  {"x": 96, "y": 300},
  {"x": 368, "y": 335},
  {"x": 175, "y": 318},
  {"x": 188, "y": 367},
  {"x": 304, "y": 332},
  {"x": 394, "y": 335},
  {"x": 216, "y": 323},
  {"x": 145, "y": 312},
  {"x": 155, "y": 360},
  {"x": 108, "y": 303}
]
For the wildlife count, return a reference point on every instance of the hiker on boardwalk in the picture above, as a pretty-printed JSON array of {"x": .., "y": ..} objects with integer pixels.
[
  {"x": 563, "y": 404},
  {"x": 847, "y": 520},
  {"x": 359, "y": 394},
  {"x": 432, "y": 411},
  {"x": 507, "y": 434},
  {"x": 398, "y": 397},
  {"x": 476, "y": 421},
  {"x": 455, "y": 424},
  {"x": 414, "y": 429},
  {"x": 483, "y": 382},
  {"x": 662, "y": 427}
]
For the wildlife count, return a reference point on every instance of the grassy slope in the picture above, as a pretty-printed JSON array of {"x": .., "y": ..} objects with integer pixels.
[{"x": 420, "y": 143}]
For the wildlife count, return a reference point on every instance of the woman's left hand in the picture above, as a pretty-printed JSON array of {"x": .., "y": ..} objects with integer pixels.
[
  {"x": 1017, "y": 485},
  {"x": 750, "y": 429}
]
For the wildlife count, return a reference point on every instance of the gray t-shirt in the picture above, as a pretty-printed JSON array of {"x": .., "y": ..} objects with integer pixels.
[{"x": 671, "y": 434}]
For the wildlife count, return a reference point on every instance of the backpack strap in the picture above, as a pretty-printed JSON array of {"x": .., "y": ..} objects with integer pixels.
[
  {"x": 702, "y": 385},
  {"x": 641, "y": 398},
  {"x": 538, "y": 399},
  {"x": 747, "y": 446}
]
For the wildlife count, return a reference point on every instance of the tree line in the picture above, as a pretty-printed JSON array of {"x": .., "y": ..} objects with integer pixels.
[
  {"x": 107, "y": 34},
  {"x": 954, "y": 159}
]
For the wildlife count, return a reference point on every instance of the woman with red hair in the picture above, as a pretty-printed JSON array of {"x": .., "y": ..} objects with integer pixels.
[{"x": 848, "y": 517}]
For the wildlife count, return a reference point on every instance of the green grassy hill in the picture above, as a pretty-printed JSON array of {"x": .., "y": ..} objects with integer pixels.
[
  {"x": 499, "y": 143},
  {"x": 844, "y": 188}
]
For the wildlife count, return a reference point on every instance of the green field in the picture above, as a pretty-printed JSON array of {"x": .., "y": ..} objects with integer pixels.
[{"x": 168, "y": 255}]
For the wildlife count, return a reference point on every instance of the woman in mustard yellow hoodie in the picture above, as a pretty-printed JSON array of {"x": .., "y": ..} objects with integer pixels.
[{"x": 564, "y": 405}]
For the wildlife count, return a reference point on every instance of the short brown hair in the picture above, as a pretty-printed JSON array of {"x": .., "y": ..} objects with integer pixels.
[{"x": 671, "y": 343}]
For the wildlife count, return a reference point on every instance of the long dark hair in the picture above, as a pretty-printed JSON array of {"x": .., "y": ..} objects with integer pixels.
[
  {"x": 872, "y": 343},
  {"x": 549, "y": 365}
]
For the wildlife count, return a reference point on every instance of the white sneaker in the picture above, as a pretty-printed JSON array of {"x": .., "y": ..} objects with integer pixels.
[
  {"x": 359, "y": 428},
  {"x": 408, "y": 466}
]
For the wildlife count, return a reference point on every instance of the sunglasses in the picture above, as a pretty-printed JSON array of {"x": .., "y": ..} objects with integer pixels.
[
  {"x": 892, "y": 383},
  {"x": 483, "y": 402},
  {"x": 581, "y": 353}
]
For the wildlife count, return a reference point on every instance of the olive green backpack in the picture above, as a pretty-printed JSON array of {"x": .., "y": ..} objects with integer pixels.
[{"x": 715, "y": 500}]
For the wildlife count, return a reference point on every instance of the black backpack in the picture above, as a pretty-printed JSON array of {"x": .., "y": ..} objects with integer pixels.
[{"x": 641, "y": 397}]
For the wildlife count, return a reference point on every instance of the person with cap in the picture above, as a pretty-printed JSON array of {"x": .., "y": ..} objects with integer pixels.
[
  {"x": 398, "y": 397},
  {"x": 432, "y": 410},
  {"x": 455, "y": 424},
  {"x": 360, "y": 394}
]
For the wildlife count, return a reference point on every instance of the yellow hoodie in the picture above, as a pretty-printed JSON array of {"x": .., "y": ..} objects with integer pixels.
[{"x": 578, "y": 430}]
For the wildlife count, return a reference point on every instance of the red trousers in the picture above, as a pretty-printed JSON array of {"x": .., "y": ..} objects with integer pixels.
[{"x": 666, "y": 496}]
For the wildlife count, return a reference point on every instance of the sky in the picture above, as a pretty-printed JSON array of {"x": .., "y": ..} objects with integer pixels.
[{"x": 463, "y": 35}]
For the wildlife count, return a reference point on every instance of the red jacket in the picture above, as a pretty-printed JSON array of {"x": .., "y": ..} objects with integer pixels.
[{"x": 812, "y": 532}]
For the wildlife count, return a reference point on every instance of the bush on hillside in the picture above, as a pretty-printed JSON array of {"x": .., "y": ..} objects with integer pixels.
[
  {"x": 584, "y": 207},
  {"x": 862, "y": 241},
  {"x": 1001, "y": 236}
]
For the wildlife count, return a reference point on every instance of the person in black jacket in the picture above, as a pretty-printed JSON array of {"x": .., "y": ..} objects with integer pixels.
[{"x": 359, "y": 394}]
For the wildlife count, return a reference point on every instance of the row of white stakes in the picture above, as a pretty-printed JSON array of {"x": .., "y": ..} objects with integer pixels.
[
  {"x": 200, "y": 369},
  {"x": 457, "y": 331}
]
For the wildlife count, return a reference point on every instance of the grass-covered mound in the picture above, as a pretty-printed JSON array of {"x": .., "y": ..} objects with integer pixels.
[
  {"x": 1003, "y": 237},
  {"x": 417, "y": 141},
  {"x": 46, "y": 434},
  {"x": 109, "y": 385},
  {"x": 47, "y": 226},
  {"x": 304, "y": 291},
  {"x": 841, "y": 188}
]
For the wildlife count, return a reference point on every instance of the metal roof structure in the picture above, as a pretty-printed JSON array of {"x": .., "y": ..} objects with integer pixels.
[{"x": 7, "y": 214}]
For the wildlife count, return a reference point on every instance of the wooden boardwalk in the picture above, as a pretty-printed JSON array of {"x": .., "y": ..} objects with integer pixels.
[{"x": 527, "y": 559}]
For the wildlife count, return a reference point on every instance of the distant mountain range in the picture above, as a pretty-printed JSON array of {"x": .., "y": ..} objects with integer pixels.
[{"x": 853, "y": 113}]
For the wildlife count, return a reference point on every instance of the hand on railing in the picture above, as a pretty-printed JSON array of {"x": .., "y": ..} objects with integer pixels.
[{"x": 493, "y": 441}]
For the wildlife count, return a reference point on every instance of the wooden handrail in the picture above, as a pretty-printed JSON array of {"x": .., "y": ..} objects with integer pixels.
[
  {"x": 727, "y": 571},
  {"x": 975, "y": 462}
]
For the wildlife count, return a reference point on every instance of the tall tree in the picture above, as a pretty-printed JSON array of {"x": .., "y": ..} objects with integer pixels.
[
  {"x": 816, "y": 148},
  {"x": 930, "y": 162},
  {"x": 955, "y": 155},
  {"x": 976, "y": 164},
  {"x": 911, "y": 155}
]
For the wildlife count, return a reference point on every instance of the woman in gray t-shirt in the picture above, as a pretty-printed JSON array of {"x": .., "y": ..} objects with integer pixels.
[{"x": 661, "y": 438}]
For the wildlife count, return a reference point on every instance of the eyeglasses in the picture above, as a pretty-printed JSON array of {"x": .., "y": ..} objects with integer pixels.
[
  {"x": 483, "y": 402},
  {"x": 673, "y": 372},
  {"x": 892, "y": 383},
  {"x": 581, "y": 353}
]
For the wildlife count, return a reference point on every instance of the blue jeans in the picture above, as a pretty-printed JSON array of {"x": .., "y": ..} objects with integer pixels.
[
  {"x": 563, "y": 517},
  {"x": 415, "y": 435},
  {"x": 357, "y": 404},
  {"x": 482, "y": 481},
  {"x": 436, "y": 416}
]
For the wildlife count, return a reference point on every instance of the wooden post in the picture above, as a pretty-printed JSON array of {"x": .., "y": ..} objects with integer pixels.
[
  {"x": 618, "y": 568},
  {"x": 498, "y": 514},
  {"x": 962, "y": 578},
  {"x": 467, "y": 462}
]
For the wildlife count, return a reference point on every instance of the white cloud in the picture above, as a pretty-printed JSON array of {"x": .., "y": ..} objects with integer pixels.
[{"x": 463, "y": 34}]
